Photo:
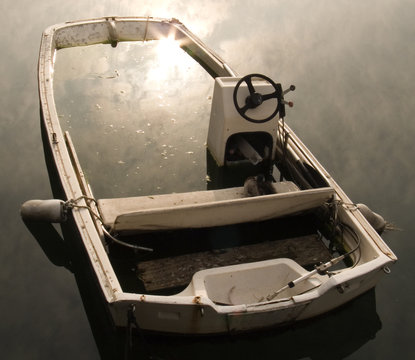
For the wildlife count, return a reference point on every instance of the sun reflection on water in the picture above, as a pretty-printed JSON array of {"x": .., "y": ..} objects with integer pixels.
[
  {"x": 170, "y": 61},
  {"x": 148, "y": 106}
]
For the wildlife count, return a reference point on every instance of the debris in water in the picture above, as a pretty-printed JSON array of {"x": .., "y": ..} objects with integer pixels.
[{"x": 109, "y": 76}]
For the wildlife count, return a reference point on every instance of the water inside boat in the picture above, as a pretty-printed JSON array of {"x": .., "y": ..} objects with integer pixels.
[{"x": 125, "y": 111}]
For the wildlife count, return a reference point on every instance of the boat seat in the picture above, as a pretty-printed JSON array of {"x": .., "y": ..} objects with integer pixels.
[{"x": 200, "y": 209}]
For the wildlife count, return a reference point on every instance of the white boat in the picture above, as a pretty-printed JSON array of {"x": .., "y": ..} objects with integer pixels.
[{"x": 214, "y": 287}]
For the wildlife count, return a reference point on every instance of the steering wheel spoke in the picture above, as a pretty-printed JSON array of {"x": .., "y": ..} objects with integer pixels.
[
  {"x": 273, "y": 95},
  {"x": 250, "y": 86},
  {"x": 245, "y": 108}
]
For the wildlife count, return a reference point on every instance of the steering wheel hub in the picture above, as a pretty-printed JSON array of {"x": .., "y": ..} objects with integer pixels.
[{"x": 254, "y": 100}]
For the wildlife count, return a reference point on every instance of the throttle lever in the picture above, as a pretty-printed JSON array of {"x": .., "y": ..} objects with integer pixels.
[
  {"x": 289, "y": 103},
  {"x": 291, "y": 88}
]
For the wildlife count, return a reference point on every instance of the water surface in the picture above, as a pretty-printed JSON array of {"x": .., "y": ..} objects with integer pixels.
[{"x": 352, "y": 63}]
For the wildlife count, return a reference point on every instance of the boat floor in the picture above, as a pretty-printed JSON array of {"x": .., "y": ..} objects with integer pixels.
[
  {"x": 174, "y": 272},
  {"x": 178, "y": 255}
]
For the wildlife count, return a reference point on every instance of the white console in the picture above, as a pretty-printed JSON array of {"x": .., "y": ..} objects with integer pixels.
[{"x": 226, "y": 121}]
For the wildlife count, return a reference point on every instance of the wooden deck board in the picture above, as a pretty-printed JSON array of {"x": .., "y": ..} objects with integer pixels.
[{"x": 178, "y": 271}]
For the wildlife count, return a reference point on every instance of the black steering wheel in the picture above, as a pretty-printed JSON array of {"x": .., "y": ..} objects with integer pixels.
[{"x": 255, "y": 99}]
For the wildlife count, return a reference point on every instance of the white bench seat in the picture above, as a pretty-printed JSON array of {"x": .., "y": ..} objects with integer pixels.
[{"x": 204, "y": 208}]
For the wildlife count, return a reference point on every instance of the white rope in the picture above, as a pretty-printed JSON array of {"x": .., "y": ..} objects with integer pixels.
[{"x": 72, "y": 203}]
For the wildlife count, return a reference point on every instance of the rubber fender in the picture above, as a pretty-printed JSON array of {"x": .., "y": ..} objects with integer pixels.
[{"x": 52, "y": 211}]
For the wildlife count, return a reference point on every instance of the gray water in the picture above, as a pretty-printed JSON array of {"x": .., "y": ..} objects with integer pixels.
[{"x": 353, "y": 65}]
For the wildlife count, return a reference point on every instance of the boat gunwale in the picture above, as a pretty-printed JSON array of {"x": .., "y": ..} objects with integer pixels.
[
  {"x": 340, "y": 277},
  {"x": 207, "y": 58}
]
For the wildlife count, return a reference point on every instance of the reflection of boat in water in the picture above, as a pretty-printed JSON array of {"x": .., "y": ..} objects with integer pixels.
[
  {"x": 332, "y": 336},
  {"x": 230, "y": 258}
]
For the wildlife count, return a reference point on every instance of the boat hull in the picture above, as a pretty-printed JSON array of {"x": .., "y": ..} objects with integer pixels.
[
  {"x": 199, "y": 316},
  {"x": 190, "y": 312}
]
